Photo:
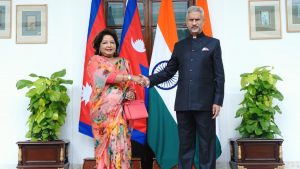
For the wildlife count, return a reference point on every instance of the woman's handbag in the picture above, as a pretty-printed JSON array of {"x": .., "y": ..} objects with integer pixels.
[{"x": 135, "y": 109}]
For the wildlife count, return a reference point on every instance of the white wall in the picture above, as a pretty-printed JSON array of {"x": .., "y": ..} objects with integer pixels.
[
  {"x": 241, "y": 55},
  {"x": 19, "y": 60},
  {"x": 68, "y": 21}
]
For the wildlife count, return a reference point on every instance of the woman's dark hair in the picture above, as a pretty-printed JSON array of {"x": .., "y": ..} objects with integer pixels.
[{"x": 98, "y": 39}]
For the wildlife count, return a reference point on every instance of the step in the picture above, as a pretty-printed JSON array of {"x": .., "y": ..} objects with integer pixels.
[{"x": 89, "y": 163}]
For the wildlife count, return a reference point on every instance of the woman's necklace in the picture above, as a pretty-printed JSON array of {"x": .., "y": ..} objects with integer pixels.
[{"x": 113, "y": 60}]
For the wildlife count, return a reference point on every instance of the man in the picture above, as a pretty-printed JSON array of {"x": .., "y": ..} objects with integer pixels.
[{"x": 200, "y": 91}]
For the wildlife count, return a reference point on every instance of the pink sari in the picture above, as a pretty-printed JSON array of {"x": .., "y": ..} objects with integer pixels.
[{"x": 111, "y": 132}]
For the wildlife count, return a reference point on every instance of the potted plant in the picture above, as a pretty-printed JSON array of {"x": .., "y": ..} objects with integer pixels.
[
  {"x": 258, "y": 147},
  {"x": 48, "y": 104}
]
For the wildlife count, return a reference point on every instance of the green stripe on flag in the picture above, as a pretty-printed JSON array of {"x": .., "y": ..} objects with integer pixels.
[
  {"x": 218, "y": 151},
  {"x": 218, "y": 148},
  {"x": 162, "y": 131}
]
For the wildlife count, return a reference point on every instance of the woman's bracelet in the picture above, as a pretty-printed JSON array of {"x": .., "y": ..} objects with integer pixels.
[{"x": 129, "y": 77}]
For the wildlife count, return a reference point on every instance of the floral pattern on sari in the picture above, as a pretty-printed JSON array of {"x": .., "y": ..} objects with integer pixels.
[{"x": 110, "y": 130}]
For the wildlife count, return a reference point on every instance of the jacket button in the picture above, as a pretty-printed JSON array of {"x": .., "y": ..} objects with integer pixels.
[{"x": 191, "y": 70}]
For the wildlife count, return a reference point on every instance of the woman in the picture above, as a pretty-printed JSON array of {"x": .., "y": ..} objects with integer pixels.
[{"x": 111, "y": 84}]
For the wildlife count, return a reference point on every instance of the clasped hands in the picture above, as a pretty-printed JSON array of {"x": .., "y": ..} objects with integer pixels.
[{"x": 141, "y": 80}]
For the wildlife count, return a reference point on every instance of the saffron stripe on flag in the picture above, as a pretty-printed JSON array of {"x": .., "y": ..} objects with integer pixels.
[{"x": 207, "y": 26}]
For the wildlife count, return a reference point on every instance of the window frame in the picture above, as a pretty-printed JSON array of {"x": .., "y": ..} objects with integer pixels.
[{"x": 147, "y": 26}]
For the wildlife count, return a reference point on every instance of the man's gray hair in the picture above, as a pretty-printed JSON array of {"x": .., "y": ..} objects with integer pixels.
[{"x": 195, "y": 9}]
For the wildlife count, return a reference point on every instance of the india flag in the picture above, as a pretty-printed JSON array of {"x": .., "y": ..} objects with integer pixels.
[
  {"x": 162, "y": 124},
  {"x": 208, "y": 31}
]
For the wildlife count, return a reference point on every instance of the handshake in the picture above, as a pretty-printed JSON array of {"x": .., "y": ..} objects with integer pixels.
[{"x": 141, "y": 80}]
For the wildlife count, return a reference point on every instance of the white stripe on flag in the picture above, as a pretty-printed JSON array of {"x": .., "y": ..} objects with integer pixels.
[{"x": 161, "y": 52}]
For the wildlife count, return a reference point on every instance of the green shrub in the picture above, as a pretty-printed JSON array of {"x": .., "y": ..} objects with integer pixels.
[
  {"x": 257, "y": 110},
  {"x": 48, "y": 104}
]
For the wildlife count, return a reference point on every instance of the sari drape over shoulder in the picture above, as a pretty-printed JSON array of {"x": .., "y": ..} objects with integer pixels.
[{"x": 111, "y": 132}]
